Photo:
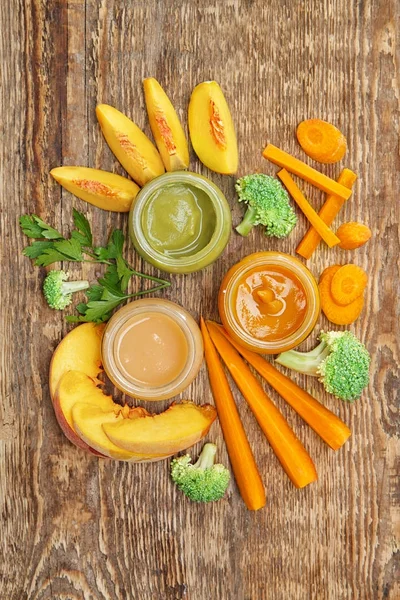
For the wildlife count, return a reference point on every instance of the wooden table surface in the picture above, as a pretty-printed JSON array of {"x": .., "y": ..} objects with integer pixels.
[{"x": 77, "y": 527}]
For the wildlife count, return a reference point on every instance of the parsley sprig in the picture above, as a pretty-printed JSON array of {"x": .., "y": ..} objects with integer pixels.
[{"x": 51, "y": 246}]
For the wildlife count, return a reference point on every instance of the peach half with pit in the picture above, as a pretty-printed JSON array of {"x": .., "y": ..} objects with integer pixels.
[
  {"x": 136, "y": 153},
  {"x": 211, "y": 128},
  {"x": 100, "y": 188},
  {"x": 166, "y": 127}
]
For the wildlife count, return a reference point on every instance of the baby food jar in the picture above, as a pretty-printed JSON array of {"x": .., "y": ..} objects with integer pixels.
[
  {"x": 269, "y": 302},
  {"x": 180, "y": 222},
  {"x": 152, "y": 349}
]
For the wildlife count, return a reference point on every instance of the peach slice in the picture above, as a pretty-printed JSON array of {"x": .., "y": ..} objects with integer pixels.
[
  {"x": 75, "y": 386},
  {"x": 80, "y": 350},
  {"x": 211, "y": 128},
  {"x": 101, "y": 188},
  {"x": 133, "y": 149},
  {"x": 166, "y": 127},
  {"x": 167, "y": 433},
  {"x": 88, "y": 420}
]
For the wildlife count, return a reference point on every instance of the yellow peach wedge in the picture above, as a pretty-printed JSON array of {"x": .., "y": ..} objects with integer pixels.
[
  {"x": 167, "y": 433},
  {"x": 136, "y": 153},
  {"x": 80, "y": 350},
  {"x": 100, "y": 188},
  {"x": 88, "y": 420},
  {"x": 166, "y": 127},
  {"x": 211, "y": 128}
]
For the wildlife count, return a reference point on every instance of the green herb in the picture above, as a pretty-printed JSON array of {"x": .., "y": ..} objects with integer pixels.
[{"x": 110, "y": 290}]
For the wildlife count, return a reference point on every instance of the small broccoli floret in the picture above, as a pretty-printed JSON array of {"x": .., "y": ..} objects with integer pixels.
[
  {"x": 267, "y": 204},
  {"x": 340, "y": 361},
  {"x": 204, "y": 481},
  {"x": 58, "y": 291}
]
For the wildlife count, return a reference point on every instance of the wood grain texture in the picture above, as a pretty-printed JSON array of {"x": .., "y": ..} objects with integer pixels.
[{"x": 77, "y": 527}]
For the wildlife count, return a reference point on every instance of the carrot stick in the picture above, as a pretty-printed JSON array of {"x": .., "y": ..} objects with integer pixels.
[
  {"x": 327, "y": 234},
  {"x": 328, "y": 212},
  {"x": 299, "y": 168},
  {"x": 326, "y": 424},
  {"x": 242, "y": 460},
  {"x": 290, "y": 451}
]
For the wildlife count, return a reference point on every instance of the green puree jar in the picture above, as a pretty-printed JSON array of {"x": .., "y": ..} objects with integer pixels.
[{"x": 180, "y": 222}]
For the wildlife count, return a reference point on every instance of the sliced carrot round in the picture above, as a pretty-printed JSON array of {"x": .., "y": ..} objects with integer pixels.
[
  {"x": 321, "y": 140},
  {"x": 353, "y": 235},
  {"x": 335, "y": 313},
  {"x": 348, "y": 284},
  {"x": 329, "y": 271}
]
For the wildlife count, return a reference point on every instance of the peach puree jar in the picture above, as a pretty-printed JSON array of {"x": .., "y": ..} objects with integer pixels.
[
  {"x": 269, "y": 302},
  {"x": 152, "y": 349}
]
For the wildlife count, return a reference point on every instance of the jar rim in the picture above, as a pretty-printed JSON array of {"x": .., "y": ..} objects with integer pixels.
[
  {"x": 187, "y": 325},
  {"x": 219, "y": 204},
  {"x": 305, "y": 277}
]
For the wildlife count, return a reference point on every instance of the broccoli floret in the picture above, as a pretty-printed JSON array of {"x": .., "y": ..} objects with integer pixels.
[
  {"x": 267, "y": 204},
  {"x": 340, "y": 361},
  {"x": 204, "y": 481},
  {"x": 58, "y": 291}
]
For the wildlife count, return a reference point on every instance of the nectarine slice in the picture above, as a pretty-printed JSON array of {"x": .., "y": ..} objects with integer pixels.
[
  {"x": 76, "y": 386},
  {"x": 80, "y": 350},
  {"x": 100, "y": 188},
  {"x": 88, "y": 422},
  {"x": 166, "y": 127},
  {"x": 176, "y": 429},
  {"x": 211, "y": 128},
  {"x": 133, "y": 149}
]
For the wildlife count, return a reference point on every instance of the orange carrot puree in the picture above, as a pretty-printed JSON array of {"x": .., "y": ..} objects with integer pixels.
[{"x": 270, "y": 302}]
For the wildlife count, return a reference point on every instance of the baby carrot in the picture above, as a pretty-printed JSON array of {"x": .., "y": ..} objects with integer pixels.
[
  {"x": 240, "y": 454},
  {"x": 301, "y": 169},
  {"x": 328, "y": 212},
  {"x": 326, "y": 424},
  {"x": 290, "y": 451},
  {"x": 327, "y": 234}
]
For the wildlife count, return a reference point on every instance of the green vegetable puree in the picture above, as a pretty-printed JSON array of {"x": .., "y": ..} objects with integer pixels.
[{"x": 178, "y": 220}]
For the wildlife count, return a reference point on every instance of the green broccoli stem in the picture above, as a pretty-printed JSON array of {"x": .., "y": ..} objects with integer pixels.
[
  {"x": 249, "y": 221},
  {"x": 207, "y": 457},
  {"x": 69, "y": 287},
  {"x": 304, "y": 362}
]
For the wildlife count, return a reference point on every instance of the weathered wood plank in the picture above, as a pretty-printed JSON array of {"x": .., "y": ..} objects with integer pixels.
[{"x": 77, "y": 527}]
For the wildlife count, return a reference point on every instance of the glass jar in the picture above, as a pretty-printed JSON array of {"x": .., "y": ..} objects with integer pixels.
[
  {"x": 250, "y": 271},
  {"x": 152, "y": 349},
  {"x": 180, "y": 222}
]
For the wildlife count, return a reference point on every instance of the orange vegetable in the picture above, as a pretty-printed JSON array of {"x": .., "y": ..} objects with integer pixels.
[
  {"x": 290, "y": 451},
  {"x": 348, "y": 283},
  {"x": 327, "y": 425},
  {"x": 321, "y": 141},
  {"x": 299, "y": 168},
  {"x": 243, "y": 464},
  {"x": 327, "y": 234},
  {"x": 329, "y": 270},
  {"x": 340, "y": 315},
  {"x": 353, "y": 235},
  {"x": 328, "y": 212}
]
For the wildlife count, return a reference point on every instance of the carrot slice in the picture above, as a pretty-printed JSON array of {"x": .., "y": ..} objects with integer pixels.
[
  {"x": 321, "y": 140},
  {"x": 329, "y": 270},
  {"x": 299, "y": 168},
  {"x": 242, "y": 460},
  {"x": 326, "y": 424},
  {"x": 348, "y": 283},
  {"x": 353, "y": 235},
  {"x": 290, "y": 451},
  {"x": 328, "y": 212},
  {"x": 340, "y": 315},
  {"x": 327, "y": 234}
]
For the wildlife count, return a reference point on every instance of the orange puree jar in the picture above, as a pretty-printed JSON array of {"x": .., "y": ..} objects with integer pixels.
[
  {"x": 152, "y": 349},
  {"x": 269, "y": 302}
]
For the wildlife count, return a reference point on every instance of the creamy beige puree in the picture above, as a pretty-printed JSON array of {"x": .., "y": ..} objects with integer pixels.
[{"x": 151, "y": 349}]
